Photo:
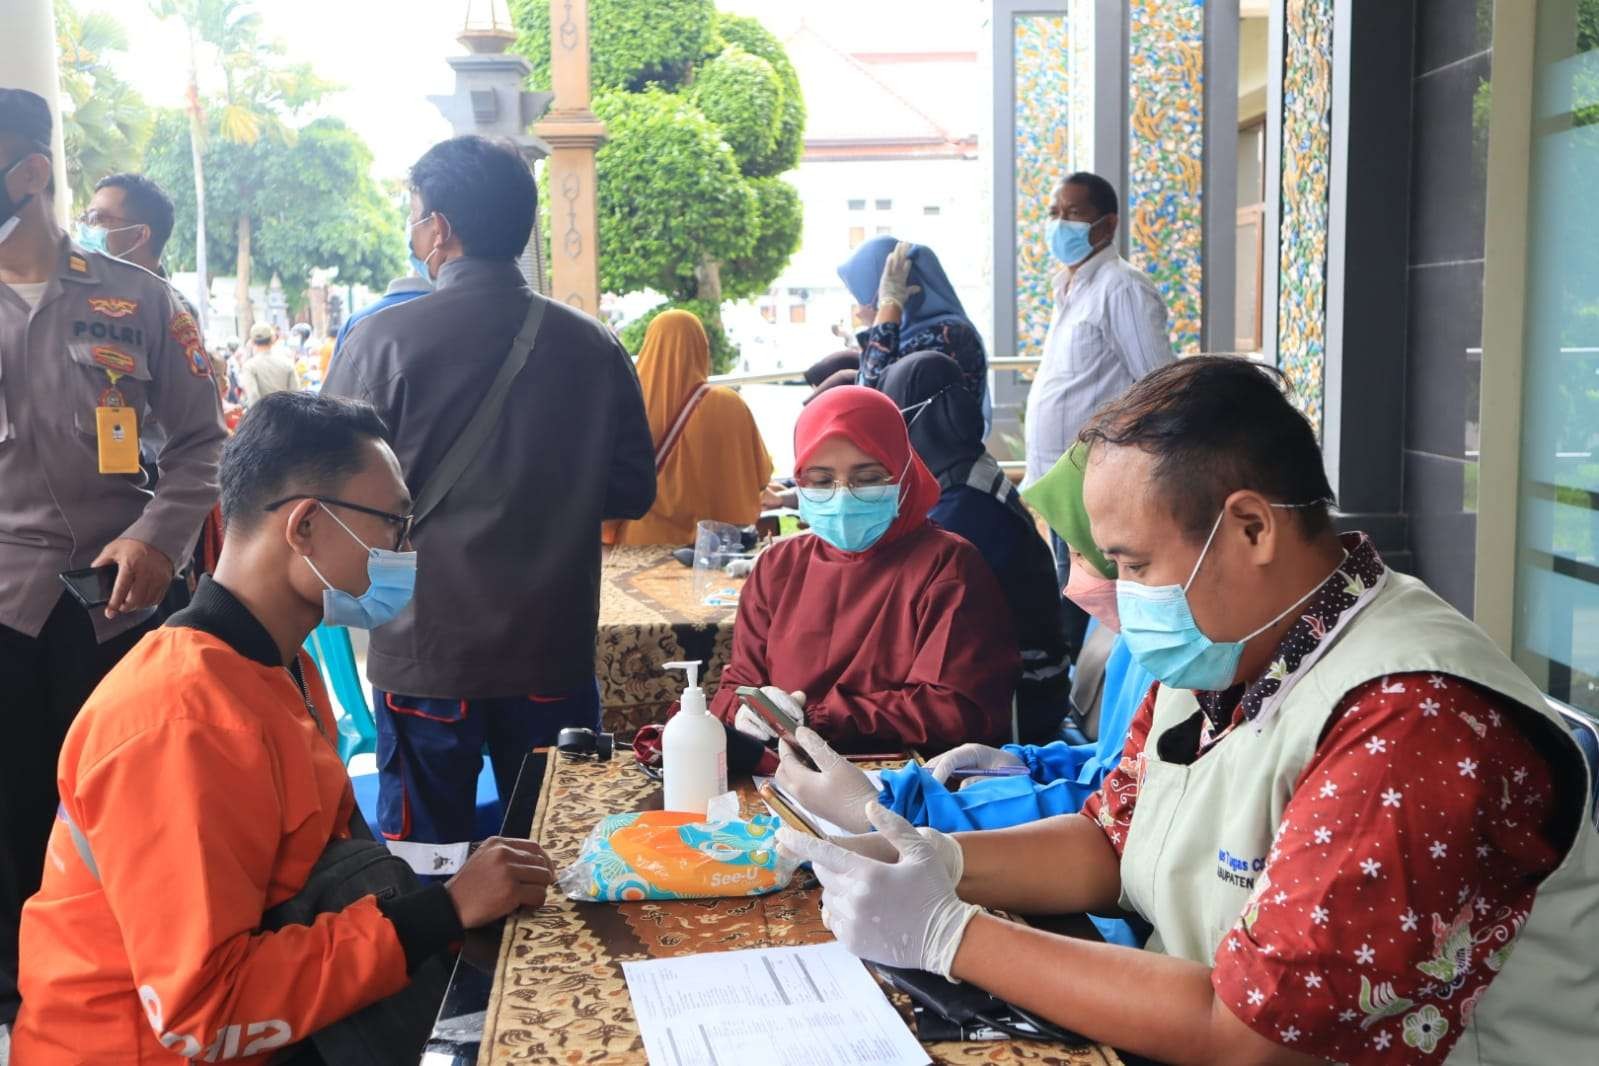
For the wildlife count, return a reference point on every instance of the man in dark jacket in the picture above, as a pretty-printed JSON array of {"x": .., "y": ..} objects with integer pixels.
[{"x": 497, "y": 647}]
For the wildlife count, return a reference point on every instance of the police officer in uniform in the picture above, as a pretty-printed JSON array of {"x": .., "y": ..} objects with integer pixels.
[{"x": 92, "y": 348}]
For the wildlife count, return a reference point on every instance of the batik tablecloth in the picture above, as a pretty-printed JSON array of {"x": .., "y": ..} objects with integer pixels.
[
  {"x": 559, "y": 995},
  {"x": 648, "y": 616}
]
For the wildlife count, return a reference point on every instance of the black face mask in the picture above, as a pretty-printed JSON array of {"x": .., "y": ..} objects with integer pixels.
[{"x": 10, "y": 209}]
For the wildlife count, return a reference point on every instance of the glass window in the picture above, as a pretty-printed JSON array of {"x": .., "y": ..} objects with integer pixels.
[
  {"x": 796, "y": 312},
  {"x": 885, "y": 205},
  {"x": 932, "y": 209},
  {"x": 857, "y": 205},
  {"x": 857, "y": 234},
  {"x": 882, "y": 230},
  {"x": 1556, "y": 634}
]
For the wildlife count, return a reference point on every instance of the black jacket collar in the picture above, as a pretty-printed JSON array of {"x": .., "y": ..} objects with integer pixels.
[{"x": 217, "y": 611}]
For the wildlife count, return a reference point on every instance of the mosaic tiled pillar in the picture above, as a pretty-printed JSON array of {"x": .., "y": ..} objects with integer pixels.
[
  {"x": 1163, "y": 205},
  {"x": 1307, "y": 95},
  {"x": 1043, "y": 119}
]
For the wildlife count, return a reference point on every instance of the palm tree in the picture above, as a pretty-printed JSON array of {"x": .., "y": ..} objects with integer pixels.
[
  {"x": 228, "y": 26},
  {"x": 260, "y": 90},
  {"x": 107, "y": 124}
]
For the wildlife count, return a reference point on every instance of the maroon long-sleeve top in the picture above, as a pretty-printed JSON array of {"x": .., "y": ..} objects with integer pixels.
[{"x": 907, "y": 645}]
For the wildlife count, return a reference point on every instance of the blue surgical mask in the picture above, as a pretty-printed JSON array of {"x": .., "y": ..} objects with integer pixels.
[
  {"x": 391, "y": 579},
  {"x": 1068, "y": 241},
  {"x": 92, "y": 238},
  {"x": 1159, "y": 628},
  {"x": 420, "y": 269},
  {"x": 97, "y": 238},
  {"x": 848, "y": 523},
  {"x": 418, "y": 264}
]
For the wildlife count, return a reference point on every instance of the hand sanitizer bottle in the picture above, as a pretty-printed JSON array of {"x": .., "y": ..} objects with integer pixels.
[{"x": 693, "y": 749}]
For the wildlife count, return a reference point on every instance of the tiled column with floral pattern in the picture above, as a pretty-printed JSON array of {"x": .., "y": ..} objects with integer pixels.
[
  {"x": 1163, "y": 204},
  {"x": 1042, "y": 44},
  {"x": 1307, "y": 94}
]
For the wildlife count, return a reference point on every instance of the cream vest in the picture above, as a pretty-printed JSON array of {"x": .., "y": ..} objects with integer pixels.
[{"x": 1200, "y": 833}]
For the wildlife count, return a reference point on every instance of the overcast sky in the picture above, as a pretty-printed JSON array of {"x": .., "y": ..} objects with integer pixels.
[{"x": 389, "y": 55}]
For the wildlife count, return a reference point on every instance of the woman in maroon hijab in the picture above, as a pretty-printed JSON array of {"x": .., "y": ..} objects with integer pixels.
[{"x": 895, "y": 629}]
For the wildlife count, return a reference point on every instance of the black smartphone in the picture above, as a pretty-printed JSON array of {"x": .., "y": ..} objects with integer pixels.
[{"x": 92, "y": 585}]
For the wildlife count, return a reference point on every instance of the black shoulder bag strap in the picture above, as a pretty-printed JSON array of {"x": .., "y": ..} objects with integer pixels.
[{"x": 484, "y": 419}]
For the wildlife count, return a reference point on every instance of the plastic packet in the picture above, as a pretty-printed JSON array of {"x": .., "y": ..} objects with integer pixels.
[{"x": 676, "y": 855}]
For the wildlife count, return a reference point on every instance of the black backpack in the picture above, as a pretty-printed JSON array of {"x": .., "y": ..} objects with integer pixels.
[{"x": 391, "y": 1030}]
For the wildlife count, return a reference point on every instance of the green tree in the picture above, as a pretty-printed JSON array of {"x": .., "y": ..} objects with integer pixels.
[
  {"x": 671, "y": 198},
  {"x": 105, "y": 123},
  {"x": 309, "y": 203},
  {"x": 702, "y": 110},
  {"x": 261, "y": 92},
  {"x": 789, "y": 144}
]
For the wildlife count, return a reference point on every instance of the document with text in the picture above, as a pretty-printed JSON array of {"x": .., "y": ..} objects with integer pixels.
[{"x": 801, "y": 1006}]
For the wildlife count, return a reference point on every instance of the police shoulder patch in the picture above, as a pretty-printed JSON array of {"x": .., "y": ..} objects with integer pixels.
[
  {"x": 77, "y": 264},
  {"x": 183, "y": 330}
]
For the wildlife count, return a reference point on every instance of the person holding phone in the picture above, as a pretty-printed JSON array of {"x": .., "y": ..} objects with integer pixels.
[
  {"x": 95, "y": 353},
  {"x": 895, "y": 630}
]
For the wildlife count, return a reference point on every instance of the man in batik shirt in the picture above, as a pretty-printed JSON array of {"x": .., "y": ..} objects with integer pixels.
[{"x": 1337, "y": 808}]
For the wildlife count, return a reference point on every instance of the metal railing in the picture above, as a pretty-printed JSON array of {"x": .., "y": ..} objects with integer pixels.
[
  {"x": 1013, "y": 362},
  {"x": 795, "y": 377}
]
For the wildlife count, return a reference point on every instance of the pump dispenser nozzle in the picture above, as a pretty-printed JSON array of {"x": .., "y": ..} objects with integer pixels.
[{"x": 692, "y": 668}]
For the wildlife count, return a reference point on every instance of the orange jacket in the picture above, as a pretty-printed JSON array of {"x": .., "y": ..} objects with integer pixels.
[{"x": 205, "y": 793}]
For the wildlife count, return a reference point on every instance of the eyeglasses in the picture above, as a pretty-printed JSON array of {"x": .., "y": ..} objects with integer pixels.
[
  {"x": 404, "y": 521},
  {"x": 867, "y": 489},
  {"x": 109, "y": 221}
]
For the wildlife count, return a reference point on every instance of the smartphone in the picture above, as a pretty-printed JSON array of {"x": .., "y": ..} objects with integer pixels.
[
  {"x": 91, "y": 586},
  {"x": 789, "y": 811},
  {"x": 774, "y": 716}
]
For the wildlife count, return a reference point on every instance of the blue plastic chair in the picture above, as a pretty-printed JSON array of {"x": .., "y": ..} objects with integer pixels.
[{"x": 330, "y": 647}]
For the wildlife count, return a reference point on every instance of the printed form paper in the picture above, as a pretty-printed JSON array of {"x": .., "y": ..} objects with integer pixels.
[{"x": 800, "y": 1006}]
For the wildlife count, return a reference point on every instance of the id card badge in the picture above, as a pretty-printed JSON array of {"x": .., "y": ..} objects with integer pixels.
[{"x": 117, "y": 429}]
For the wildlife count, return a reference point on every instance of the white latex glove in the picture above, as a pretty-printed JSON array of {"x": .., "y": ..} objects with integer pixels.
[
  {"x": 903, "y": 913},
  {"x": 893, "y": 286},
  {"x": 747, "y": 721},
  {"x": 970, "y": 757},
  {"x": 837, "y": 789},
  {"x": 878, "y": 847}
]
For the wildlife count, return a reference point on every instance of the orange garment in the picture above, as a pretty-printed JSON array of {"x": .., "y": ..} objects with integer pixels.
[
  {"x": 719, "y": 465},
  {"x": 324, "y": 356},
  {"x": 206, "y": 794}
]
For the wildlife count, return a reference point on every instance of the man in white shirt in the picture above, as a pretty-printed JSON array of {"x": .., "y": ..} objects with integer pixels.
[{"x": 1109, "y": 330}]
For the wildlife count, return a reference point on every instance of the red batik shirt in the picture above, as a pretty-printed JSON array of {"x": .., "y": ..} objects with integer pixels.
[{"x": 1405, "y": 864}]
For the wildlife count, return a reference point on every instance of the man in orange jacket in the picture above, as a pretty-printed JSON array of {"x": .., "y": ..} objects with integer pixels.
[{"x": 200, "y": 783}]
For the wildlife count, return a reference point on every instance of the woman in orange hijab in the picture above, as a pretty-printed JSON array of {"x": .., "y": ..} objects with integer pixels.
[{"x": 710, "y": 462}]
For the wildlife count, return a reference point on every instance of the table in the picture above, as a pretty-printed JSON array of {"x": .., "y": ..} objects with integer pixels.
[
  {"x": 648, "y": 616},
  {"x": 558, "y": 993}
]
